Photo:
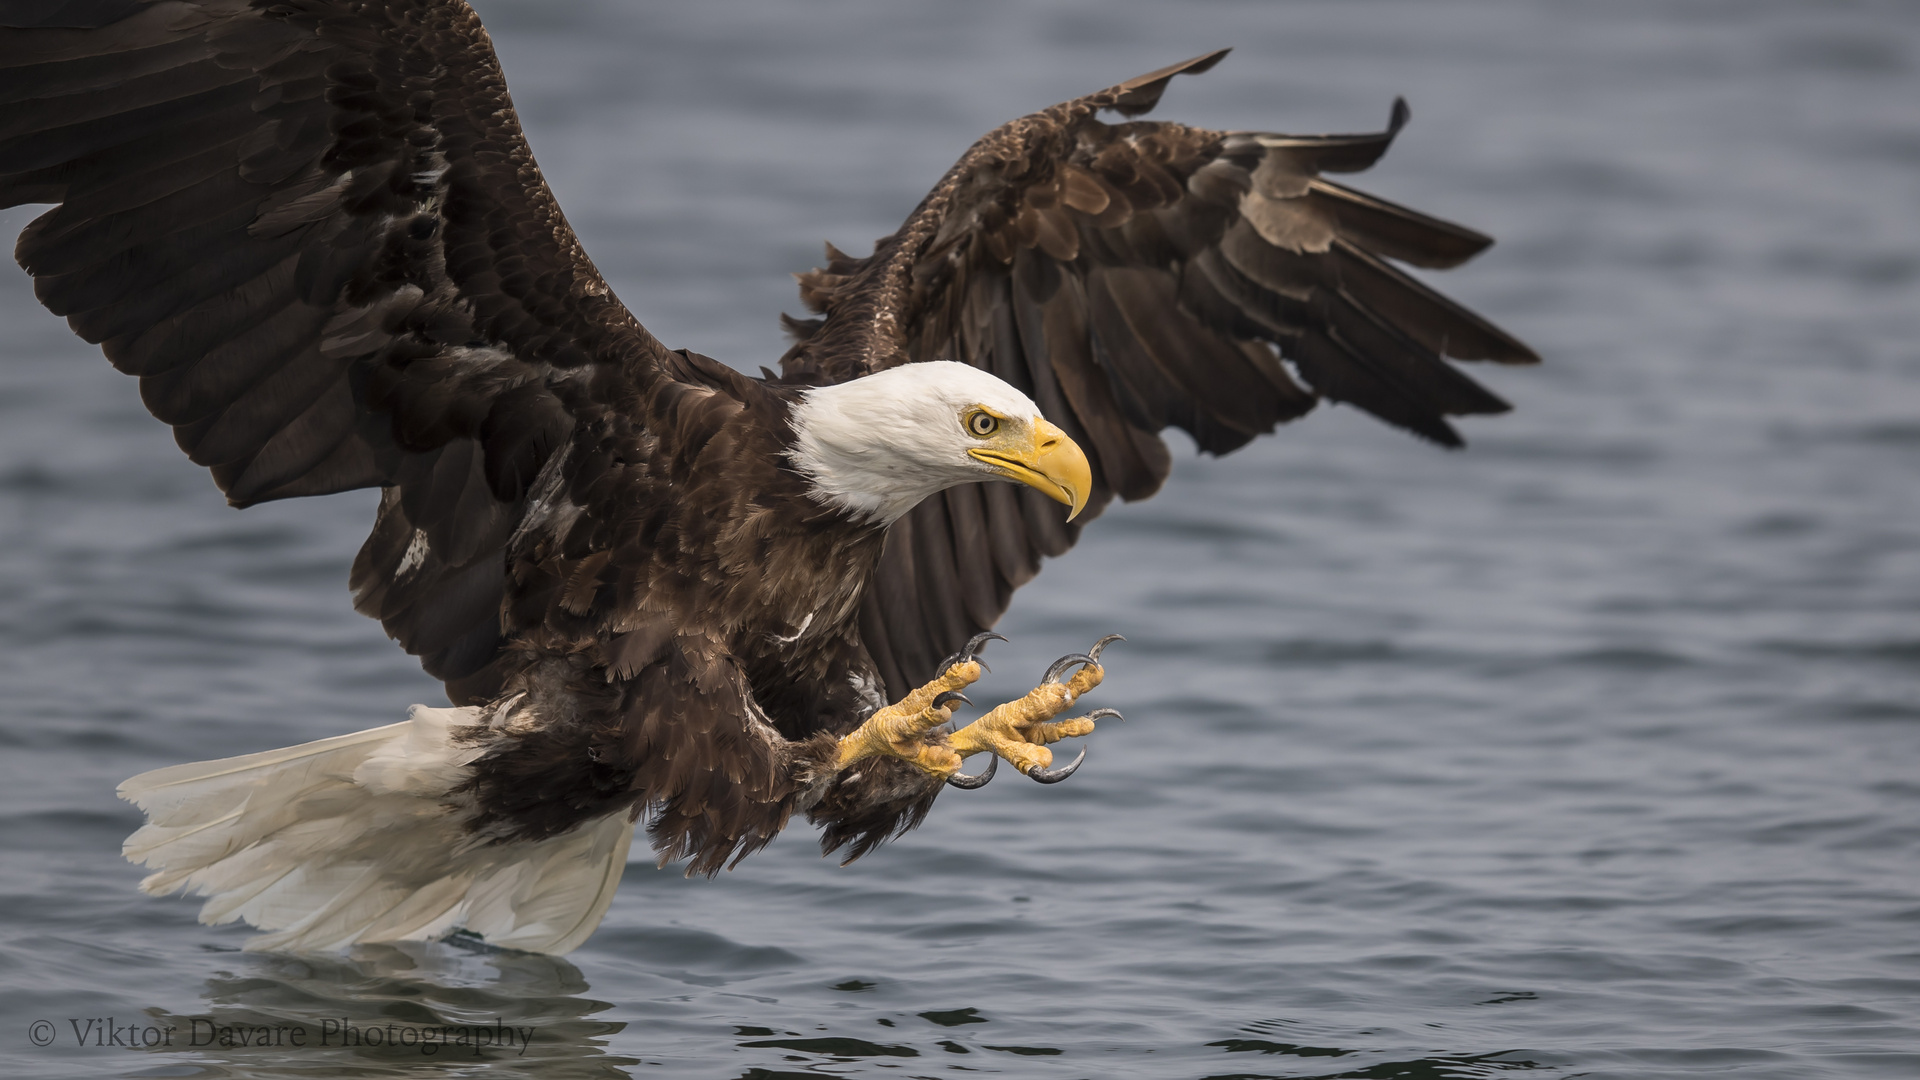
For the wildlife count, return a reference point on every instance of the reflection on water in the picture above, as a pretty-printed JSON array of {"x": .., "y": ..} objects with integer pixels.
[
  {"x": 407, "y": 1010},
  {"x": 453, "y": 1009}
]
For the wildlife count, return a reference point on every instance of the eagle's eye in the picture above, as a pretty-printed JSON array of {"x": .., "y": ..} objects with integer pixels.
[{"x": 982, "y": 423}]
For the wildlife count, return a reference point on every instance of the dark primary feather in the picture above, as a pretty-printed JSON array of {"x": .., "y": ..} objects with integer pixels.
[
  {"x": 1131, "y": 277},
  {"x": 316, "y": 235}
]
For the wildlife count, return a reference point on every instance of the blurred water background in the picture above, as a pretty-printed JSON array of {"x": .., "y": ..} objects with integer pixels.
[{"x": 1589, "y": 751}]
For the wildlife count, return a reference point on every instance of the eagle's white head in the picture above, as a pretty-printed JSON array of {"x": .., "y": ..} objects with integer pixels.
[{"x": 875, "y": 447}]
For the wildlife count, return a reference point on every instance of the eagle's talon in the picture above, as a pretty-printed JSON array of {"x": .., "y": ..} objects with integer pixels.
[
  {"x": 1061, "y": 665},
  {"x": 1094, "y": 653},
  {"x": 970, "y": 654},
  {"x": 962, "y": 780},
  {"x": 1054, "y": 776},
  {"x": 905, "y": 728},
  {"x": 978, "y": 642}
]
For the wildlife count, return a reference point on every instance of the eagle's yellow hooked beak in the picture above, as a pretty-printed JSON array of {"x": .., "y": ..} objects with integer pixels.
[{"x": 1044, "y": 458}]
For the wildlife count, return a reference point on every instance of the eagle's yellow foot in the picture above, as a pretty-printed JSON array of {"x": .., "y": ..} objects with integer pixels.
[
  {"x": 902, "y": 729},
  {"x": 1021, "y": 730}
]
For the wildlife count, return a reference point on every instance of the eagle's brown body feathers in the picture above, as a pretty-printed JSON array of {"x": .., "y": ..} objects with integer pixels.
[{"x": 314, "y": 232}]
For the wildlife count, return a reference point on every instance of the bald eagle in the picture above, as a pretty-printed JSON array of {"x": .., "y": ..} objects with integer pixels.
[{"x": 658, "y": 589}]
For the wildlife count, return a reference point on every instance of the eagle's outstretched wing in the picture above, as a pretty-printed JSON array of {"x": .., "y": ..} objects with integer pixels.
[
  {"x": 1131, "y": 277},
  {"x": 316, "y": 234}
]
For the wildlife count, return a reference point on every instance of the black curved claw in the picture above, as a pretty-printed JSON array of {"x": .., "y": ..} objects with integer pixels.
[
  {"x": 1101, "y": 644},
  {"x": 970, "y": 653},
  {"x": 950, "y": 695},
  {"x": 962, "y": 780},
  {"x": 978, "y": 642},
  {"x": 1061, "y": 665},
  {"x": 1102, "y": 714},
  {"x": 1054, "y": 776}
]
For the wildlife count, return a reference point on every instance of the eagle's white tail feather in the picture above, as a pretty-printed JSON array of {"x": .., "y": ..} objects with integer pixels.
[{"x": 356, "y": 838}]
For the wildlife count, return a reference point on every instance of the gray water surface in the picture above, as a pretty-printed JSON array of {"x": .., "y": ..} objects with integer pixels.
[{"x": 1589, "y": 751}]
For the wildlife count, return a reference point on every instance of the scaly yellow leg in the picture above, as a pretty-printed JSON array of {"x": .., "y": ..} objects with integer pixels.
[{"x": 902, "y": 729}]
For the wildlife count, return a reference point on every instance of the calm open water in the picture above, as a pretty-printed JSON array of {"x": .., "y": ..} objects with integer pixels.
[{"x": 1587, "y": 752}]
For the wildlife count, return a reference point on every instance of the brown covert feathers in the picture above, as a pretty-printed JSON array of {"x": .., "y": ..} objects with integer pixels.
[{"x": 314, "y": 232}]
